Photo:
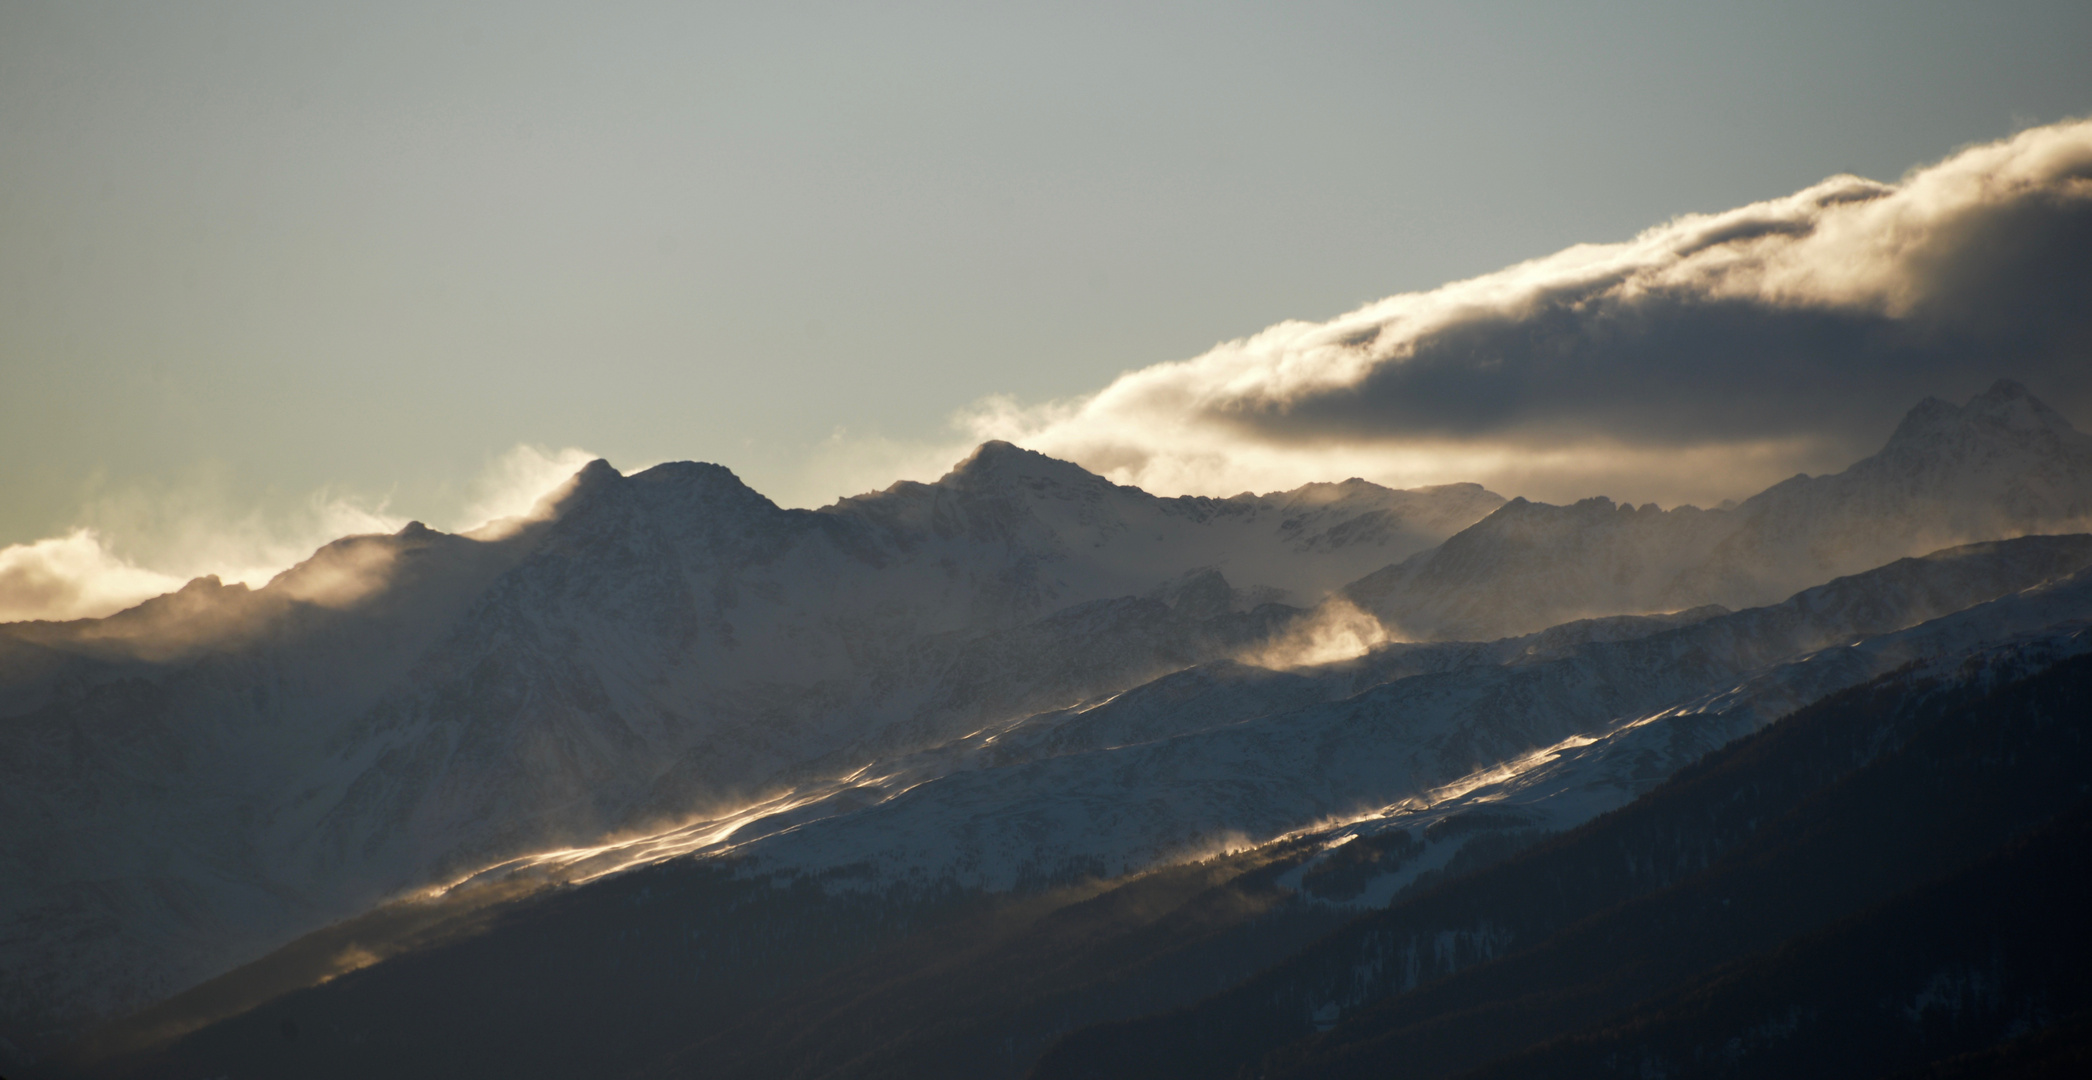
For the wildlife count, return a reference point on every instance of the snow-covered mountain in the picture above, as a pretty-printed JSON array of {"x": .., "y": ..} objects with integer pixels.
[
  {"x": 1820, "y": 842},
  {"x": 191, "y": 782},
  {"x": 1016, "y": 674},
  {"x": 762, "y": 964},
  {"x": 2002, "y": 465},
  {"x": 1563, "y": 724}
]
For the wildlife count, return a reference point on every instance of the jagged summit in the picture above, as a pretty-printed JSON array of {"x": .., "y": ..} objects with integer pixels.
[
  {"x": 1925, "y": 418},
  {"x": 1322, "y": 493},
  {"x": 2003, "y": 464},
  {"x": 2003, "y": 393},
  {"x": 667, "y": 492},
  {"x": 688, "y": 472},
  {"x": 594, "y": 476},
  {"x": 578, "y": 489},
  {"x": 596, "y": 472},
  {"x": 700, "y": 481},
  {"x": 1597, "y": 508},
  {"x": 2007, "y": 409},
  {"x": 996, "y": 461},
  {"x": 2004, "y": 452}
]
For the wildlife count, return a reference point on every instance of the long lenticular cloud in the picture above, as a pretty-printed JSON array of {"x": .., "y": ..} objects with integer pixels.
[{"x": 1706, "y": 356}]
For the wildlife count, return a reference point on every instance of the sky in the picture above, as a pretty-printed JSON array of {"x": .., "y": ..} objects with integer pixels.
[{"x": 271, "y": 273}]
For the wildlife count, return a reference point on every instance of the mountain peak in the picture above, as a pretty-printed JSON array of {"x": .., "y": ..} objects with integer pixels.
[
  {"x": 996, "y": 454},
  {"x": 2008, "y": 406},
  {"x": 688, "y": 473},
  {"x": 996, "y": 460},
  {"x": 576, "y": 491},
  {"x": 1925, "y": 418},
  {"x": 596, "y": 472},
  {"x": 2003, "y": 390}
]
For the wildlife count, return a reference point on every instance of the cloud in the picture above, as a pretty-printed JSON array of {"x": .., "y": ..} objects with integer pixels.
[
  {"x": 137, "y": 545},
  {"x": 851, "y": 463},
  {"x": 1703, "y": 358},
  {"x": 511, "y": 486},
  {"x": 72, "y": 576}
]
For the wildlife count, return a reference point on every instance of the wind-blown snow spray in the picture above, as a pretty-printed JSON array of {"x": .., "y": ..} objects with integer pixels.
[{"x": 1336, "y": 630}]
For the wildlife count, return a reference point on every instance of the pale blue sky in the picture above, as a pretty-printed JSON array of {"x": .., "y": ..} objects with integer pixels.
[{"x": 248, "y": 251}]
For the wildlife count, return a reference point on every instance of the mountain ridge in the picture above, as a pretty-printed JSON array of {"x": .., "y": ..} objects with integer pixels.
[
  {"x": 400, "y": 707},
  {"x": 2003, "y": 464}
]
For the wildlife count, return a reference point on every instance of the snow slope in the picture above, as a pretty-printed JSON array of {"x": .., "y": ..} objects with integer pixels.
[
  {"x": 1017, "y": 673},
  {"x": 185, "y": 785},
  {"x": 1573, "y": 721}
]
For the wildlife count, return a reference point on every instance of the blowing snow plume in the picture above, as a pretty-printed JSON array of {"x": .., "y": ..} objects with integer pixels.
[
  {"x": 1336, "y": 630},
  {"x": 1704, "y": 358},
  {"x": 143, "y": 545}
]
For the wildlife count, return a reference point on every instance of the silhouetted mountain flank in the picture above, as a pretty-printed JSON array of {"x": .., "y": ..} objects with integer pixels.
[{"x": 2002, "y": 465}]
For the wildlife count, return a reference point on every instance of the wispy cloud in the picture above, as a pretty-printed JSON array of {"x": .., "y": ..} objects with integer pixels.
[
  {"x": 139, "y": 544},
  {"x": 852, "y": 463},
  {"x": 1705, "y": 357},
  {"x": 70, "y": 576},
  {"x": 511, "y": 486}
]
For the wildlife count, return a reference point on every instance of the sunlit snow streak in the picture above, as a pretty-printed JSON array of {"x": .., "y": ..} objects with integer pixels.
[
  {"x": 577, "y": 865},
  {"x": 1510, "y": 770},
  {"x": 1527, "y": 775},
  {"x": 716, "y": 834},
  {"x": 1508, "y": 776}
]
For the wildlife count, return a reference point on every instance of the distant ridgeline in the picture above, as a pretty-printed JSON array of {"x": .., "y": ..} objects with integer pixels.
[{"x": 1024, "y": 773}]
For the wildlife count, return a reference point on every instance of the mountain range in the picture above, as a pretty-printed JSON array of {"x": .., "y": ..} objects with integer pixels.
[
  {"x": 2001, "y": 465},
  {"x": 957, "y": 772}
]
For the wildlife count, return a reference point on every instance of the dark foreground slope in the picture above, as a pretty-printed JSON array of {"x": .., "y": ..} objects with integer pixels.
[
  {"x": 1854, "y": 820},
  {"x": 702, "y": 968},
  {"x": 1951, "y": 969}
]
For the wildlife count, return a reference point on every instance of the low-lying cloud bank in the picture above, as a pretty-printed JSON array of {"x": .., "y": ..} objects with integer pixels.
[
  {"x": 1704, "y": 358},
  {"x": 85, "y": 574}
]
